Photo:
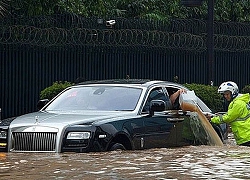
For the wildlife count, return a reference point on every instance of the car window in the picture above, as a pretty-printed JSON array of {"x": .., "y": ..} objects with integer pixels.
[
  {"x": 158, "y": 93},
  {"x": 203, "y": 107},
  {"x": 172, "y": 90},
  {"x": 176, "y": 105},
  {"x": 109, "y": 98}
]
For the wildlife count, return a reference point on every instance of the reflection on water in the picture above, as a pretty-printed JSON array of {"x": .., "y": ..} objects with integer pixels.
[{"x": 193, "y": 162}]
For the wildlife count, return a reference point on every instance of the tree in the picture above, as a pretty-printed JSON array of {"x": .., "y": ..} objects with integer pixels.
[{"x": 225, "y": 10}]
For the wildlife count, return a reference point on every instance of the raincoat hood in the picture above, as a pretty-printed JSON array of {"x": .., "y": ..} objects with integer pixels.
[{"x": 243, "y": 97}]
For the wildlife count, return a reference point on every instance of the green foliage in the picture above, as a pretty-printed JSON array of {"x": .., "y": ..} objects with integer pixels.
[
  {"x": 51, "y": 91},
  {"x": 246, "y": 89},
  {"x": 224, "y": 10},
  {"x": 208, "y": 94},
  {"x": 33, "y": 7},
  {"x": 73, "y": 6},
  {"x": 235, "y": 11}
]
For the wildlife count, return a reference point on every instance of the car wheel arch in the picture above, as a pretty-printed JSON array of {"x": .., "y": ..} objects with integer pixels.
[{"x": 120, "y": 138}]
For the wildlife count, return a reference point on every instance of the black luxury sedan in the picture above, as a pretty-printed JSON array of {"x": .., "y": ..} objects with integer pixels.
[{"x": 129, "y": 114}]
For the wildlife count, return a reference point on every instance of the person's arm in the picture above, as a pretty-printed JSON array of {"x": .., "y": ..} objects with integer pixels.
[{"x": 235, "y": 110}]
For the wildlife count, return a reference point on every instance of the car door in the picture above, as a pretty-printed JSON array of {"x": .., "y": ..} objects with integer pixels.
[
  {"x": 158, "y": 131},
  {"x": 168, "y": 128},
  {"x": 157, "y": 128}
]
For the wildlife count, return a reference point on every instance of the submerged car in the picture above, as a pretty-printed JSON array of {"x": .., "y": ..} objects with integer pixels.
[{"x": 106, "y": 115}]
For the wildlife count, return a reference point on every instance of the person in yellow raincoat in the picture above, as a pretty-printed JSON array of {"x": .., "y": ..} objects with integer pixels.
[{"x": 238, "y": 113}]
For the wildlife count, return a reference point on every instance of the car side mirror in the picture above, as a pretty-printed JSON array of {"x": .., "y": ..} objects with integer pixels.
[
  {"x": 41, "y": 103},
  {"x": 156, "y": 105}
]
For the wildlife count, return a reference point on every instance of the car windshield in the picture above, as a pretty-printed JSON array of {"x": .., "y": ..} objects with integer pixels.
[{"x": 105, "y": 98}]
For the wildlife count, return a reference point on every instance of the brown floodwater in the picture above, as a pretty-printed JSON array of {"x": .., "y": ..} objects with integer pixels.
[
  {"x": 193, "y": 162},
  {"x": 213, "y": 136}
]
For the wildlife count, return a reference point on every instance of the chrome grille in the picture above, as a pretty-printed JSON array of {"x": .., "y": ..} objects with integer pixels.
[{"x": 37, "y": 141}]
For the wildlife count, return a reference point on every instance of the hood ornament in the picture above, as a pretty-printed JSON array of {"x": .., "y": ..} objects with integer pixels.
[{"x": 36, "y": 119}]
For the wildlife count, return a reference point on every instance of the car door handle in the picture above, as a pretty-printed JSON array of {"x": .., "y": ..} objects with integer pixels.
[{"x": 175, "y": 119}]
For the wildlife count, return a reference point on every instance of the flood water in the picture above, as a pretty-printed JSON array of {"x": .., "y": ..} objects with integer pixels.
[{"x": 193, "y": 162}]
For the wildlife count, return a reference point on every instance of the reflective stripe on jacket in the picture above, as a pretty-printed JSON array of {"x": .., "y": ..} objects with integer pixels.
[{"x": 238, "y": 116}]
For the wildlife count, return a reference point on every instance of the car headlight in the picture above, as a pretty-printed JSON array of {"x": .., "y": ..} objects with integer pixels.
[
  {"x": 3, "y": 134},
  {"x": 78, "y": 135}
]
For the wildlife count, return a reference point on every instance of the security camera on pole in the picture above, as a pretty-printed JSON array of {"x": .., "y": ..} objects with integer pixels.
[{"x": 110, "y": 23}]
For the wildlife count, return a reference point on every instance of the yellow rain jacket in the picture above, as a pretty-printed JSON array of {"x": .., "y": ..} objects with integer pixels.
[{"x": 238, "y": 116}]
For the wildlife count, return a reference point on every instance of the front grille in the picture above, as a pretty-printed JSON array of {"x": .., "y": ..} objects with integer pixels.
[{"x": 37, "y": 141}]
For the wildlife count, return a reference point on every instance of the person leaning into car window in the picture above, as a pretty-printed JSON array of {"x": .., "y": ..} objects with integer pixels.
[
  {"x": 172, "y": 102},
  {"x": 174, "y": 98},
  {"x": 238, "y": 113}
]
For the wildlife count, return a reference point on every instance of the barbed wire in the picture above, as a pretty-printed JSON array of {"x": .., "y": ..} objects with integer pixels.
[
  {"x": 63, "y": 30},
  {"x": 70, "y": 21},
  {"x": 108, "y": 37},
  {"x": 195, "y": 26}
]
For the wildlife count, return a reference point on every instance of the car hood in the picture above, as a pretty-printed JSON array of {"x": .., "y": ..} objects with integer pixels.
[{"x": 62, "y": 119}]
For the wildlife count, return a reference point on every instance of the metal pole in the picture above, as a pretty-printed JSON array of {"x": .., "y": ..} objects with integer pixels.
[{"x": 210, "y": 40}]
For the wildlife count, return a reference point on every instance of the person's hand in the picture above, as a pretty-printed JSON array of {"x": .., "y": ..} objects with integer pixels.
[
  {"x": 182, "y": 91},
  {"x": 208, "y": 116},
  {"x": 174, "y": 96}
]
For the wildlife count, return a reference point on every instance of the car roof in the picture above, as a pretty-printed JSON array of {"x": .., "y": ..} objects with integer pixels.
[
  {"x": 140, "y": 82},
  {"x": 147, "y": 83},
  {"x": 117, "y": 81}
]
